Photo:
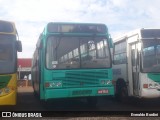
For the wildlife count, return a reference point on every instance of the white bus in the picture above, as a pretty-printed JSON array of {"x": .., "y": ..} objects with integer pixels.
[{"x": 136, "y": 64}]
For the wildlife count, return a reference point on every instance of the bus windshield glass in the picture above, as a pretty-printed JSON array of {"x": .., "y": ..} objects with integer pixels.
[
  {"x": 77, "y": 52},
  {"x": 7, "y": 56},
  {"x": 6, "y": 27},
  {"x": 151, "y": 55}
]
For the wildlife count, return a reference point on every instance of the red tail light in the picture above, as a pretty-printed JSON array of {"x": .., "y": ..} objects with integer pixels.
[{"x": 145, "y": 85}]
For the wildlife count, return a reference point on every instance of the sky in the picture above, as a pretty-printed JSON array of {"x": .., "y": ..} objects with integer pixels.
[{"x": 120, "y": 16}]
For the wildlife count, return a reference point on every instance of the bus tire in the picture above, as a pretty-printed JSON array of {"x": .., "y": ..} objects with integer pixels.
[
  {"x": 124, "y": 94},
  {"x": 121, "y": 91},
  {"x": 36, "y": 94}
]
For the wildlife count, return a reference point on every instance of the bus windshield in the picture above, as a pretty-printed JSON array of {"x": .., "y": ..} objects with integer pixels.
[
  {"x": 7, "y": 56},
  {"x": 151, "y": 55},
  {"x": 77, "y": 52}
]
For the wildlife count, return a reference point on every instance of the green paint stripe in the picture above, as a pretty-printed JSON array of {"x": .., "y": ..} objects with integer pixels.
[
  {"x": 154, "y": 76},
  {"x": 4, "y": 80}
]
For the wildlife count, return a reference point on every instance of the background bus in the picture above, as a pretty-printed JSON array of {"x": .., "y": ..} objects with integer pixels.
[
  {"x": 136, "y": 68},
  {"x": 73, "y": 60},
  {"x": 8, "y": 62}
]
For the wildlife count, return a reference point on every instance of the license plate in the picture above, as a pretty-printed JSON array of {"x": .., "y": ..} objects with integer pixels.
[{"x": 103, "y": 91}]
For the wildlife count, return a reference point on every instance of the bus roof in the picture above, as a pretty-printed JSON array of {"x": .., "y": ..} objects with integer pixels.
[
  {"x": 74, "y": 23},
  {"x": 71, "y": 27},
  {"x": 132, "y": 33}
]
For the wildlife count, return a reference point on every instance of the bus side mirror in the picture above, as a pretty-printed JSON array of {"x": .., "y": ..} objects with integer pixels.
[{"x": 19, "y": 46}]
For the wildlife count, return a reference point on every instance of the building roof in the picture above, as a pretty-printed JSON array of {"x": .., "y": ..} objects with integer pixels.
[{"x": 24, "y": 62}]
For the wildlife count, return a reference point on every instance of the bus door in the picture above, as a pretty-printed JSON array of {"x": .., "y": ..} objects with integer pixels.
[{"x": 134, "y": 67}]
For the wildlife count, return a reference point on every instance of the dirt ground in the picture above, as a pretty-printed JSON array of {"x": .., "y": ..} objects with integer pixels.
[{"x": 25, "y": 89}]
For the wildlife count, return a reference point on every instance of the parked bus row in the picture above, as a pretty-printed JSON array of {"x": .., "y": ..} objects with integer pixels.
[{"x": 80, "y": 60}]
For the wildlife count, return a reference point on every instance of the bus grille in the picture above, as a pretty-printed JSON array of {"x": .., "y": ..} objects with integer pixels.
[{"x": 84, "y": 78}]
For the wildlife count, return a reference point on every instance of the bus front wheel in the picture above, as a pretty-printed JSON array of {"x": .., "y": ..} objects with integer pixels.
[{"x": 121, "y": 92}]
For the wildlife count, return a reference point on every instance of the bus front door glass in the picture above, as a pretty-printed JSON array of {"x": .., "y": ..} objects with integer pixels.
[{"x": 135, "y": 67}]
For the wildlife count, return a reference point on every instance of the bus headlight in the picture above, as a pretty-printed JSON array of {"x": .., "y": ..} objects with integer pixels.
[
  {"x": 154, "y": 85},
  {"x": 150, "y": 85},
  {"x": 59, "y": 84},
  {"x": 105, "y": 82},
  {"x": 7, "y": 90},
  {"x": 56, "y": 84},
  {"x": 1, "y": 91},
  {"x": 53, "y": 84},
  {"x": 109, "y": 82}
]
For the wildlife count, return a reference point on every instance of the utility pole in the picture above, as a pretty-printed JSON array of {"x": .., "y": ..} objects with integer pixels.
[{"x": 19, "y": 72}]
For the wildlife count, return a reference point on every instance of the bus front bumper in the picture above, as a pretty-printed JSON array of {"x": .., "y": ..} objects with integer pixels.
[
  {"x": 78, "y": 92},
  {"x": 9, "y": 99},
  {"x": 150, "y": 93}
]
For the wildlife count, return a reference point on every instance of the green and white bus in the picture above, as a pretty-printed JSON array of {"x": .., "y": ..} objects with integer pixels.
[
  {"x": 73, "y": 60},
  {"x": 136, "y": 64}
]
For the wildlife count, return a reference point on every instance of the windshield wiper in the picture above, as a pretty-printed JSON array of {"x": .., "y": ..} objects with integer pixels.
[{"x": 57, "y": 45}]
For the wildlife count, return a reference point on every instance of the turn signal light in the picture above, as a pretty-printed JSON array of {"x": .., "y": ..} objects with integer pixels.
[{"x": 47, "y": 84}]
